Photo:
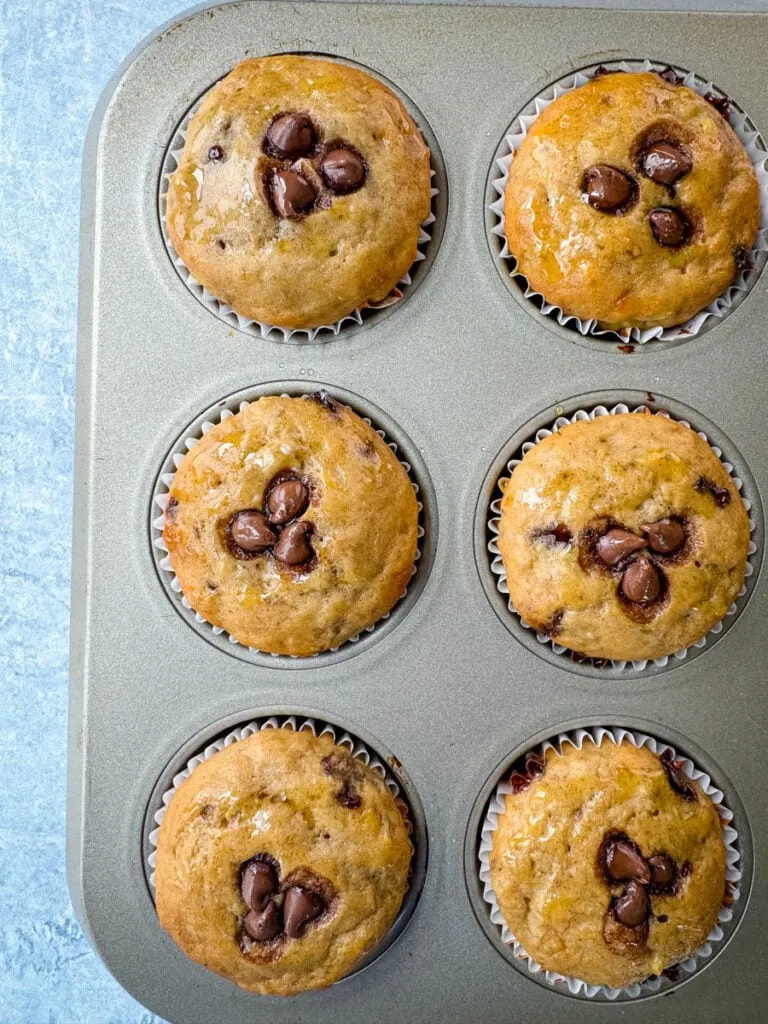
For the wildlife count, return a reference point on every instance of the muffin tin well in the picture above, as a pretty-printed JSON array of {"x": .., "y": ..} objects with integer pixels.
[
  {"x": 486, "y": 517},
  {"x": 466, "y": 373},
  {"x": 696, "y": 765},
  {"x": 587, "y": 333}
]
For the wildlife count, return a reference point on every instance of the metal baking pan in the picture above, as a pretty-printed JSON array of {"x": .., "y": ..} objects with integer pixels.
[{"x": 459, "y": 368}]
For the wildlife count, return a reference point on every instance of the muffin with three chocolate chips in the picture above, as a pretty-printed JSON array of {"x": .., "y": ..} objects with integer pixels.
[
  {"x": 281, "y": 862},
  {"x": 608, "y": 863},
  {"x": 631, "y": 201},
  {"x": 292, "y": 525},
  {"x": 301, "y": 191},
  {"x": 623, "y": 537}
]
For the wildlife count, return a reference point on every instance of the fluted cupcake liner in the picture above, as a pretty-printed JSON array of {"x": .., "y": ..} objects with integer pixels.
[
  {"x": 258, "y": 328},
  {"x": 723, "y": 304},
  {"x": 317, "y": 727},
  {"x": 160, "y": 550},
  {"x": 497, "y": 564},
  {"x": 653, "y": 984}
]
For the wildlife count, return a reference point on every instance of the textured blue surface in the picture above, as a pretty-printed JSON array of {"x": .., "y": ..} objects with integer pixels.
[{"x": 56, "y": 56}]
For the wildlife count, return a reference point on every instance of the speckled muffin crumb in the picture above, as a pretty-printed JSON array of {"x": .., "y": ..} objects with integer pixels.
[
  {"x": 300, "y": 192},
  {"x": 608, "y": 863},
  {"x": 631, "y": 201},
  {"x": 292, "y": 525},
  {"x": 282, "y": 861},
  {"x": 623, "y": 537}
]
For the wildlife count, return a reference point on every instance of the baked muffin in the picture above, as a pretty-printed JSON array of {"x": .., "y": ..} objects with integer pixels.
[
  {"x": 281, "y": 861},
  {"x": 631, "y": 201},
  {"x": 300, "y": 192},
  {"x": 292, "y": 525},
  {"x": 623, "y": 537},
  {"x": 608, "y": 863}
]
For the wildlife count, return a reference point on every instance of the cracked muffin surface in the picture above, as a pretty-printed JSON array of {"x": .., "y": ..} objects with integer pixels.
[
  {"x": 608, "y": 864},
  {"x": 292, "y": 525},
  {"x": 632, "y": 202},
  {"x": 282, "y": 861},
  {"x": 301, "y": 191},
  {"x": 623, "y": 537}
]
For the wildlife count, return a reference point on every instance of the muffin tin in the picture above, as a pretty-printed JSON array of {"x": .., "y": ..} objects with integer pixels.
[{"x": 453, "y": 375}]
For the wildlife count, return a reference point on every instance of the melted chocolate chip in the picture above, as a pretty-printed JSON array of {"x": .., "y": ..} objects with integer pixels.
[
  {"x": 258, "y": 881},
  {"x": 343, "y": 170},
  {"x": 641, "y": 583},
  {"x": 669, "y": 227},
  {"x": 663, "y": 873},
  {"x": 215, "y": 154},
  {"x": 743, "y": 259},
  {"x": 665, "y": 163},
  {"x": 325, "y": 400},
  {"x": 263, "y": 925},
  {"x": 294, "y": 547},
  {"x": 721, "y": 104},
  {"x": 721, "y": 495},
  {"x": 623, "y": 859},
  {"x": 670, "y": 75},
  {"x": 677, "y": 778},
  {"x": 632, "y": 907},
  {"x": 553, "y": 624},
  {"x": 344, "y": 768},
  {"x": 616, "y": 544},
  {"x": 665, "y": 536},
  {"x": 607, "y": 189},
  {"x": 299, "y": 908},
  {"x": 290, "y": 136},
  {"x": 287, "y": 499},
  {"x": 551, "y": 536},
  {"x": 292, "y": 195},
  {"x": 250, "y": 531},
  {"x": 532, "y": 768}
]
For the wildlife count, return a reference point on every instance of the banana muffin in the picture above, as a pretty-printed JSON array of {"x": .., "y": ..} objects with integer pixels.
[
  {"x": 292, "y": 525},
  {"x": 281, "y": 861},
  {"x": 300, "y": 192},
  {"x": 608, "y": 863},
  {"x": 623, "y": 537},
  {"x": 631, "y": 201}
]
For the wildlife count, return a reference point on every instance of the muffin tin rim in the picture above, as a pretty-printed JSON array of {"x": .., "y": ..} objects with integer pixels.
[
  {"x": 651, "y": 674},
  {"x": 682, "y": 745},
  {"x": 408, "y": 792},
  {"x": 428, "y": 520}
]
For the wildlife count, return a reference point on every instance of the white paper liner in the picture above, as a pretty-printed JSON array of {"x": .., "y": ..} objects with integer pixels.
[
  {"x": 258, "y": 328},
  {"x": 730, "y": 837},
  {"x": 160, "y": 499},
  {"x": 318, "y": 728},
  {"x": 755, "y": 147},
  {"x": 497, "y": 565}
]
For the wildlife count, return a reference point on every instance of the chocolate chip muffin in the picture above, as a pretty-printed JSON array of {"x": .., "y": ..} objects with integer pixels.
[
  {"x": 281, "y": 861},
  {"x": 608, "y": 863},
  {"x": 623, "y": 537},
  {"x": 631, "y": 201},
  {"x": 300, "y": 192},
  {"x": 292, "y": 525}
]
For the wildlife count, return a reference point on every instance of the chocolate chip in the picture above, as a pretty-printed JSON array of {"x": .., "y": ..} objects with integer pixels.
[
  {"x": 704, "y": 485},
  {"x": 292, "y": 195},
  {"x": 215, "y": 154},
  {"x": 665, "y": 536},
  {"x": 286, "y": 500},
  {"x": 670, "y": 75},
  {"x": 662, "y": 918},
  {"x": 171, "y": 509},
  {"x": 343, "y": 170},
  {"x": 258, "y": 881},
  {"x": 721, "y": 104},
  {"x": 294, "y": 547},
  {"x": 263, "y": 925},
  {"x": 553, "y": 535},
  {"x": 663, "y": 872},
  {"x": 641, "y": 583},
  {"x": 532, "y": 768},
  {"x": 553, "y": 625},
  {"x": 250, "y": 530},
  {"x": 631, "y": 908},
  {"x": 607, "y": 188},
  {"x": 665, "y": 163},
  {"x": 669, "y": 226},
  {"x": 299, "y": 908},
  {"x": 344, "y": 768},
  {"x": 617, "y": 544},
  {"x": 290, "y": 136},
  {"x": 623, "y": 860},
  {"x": 677, "y": 778},
  {"x": 743, "y": 259}
]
